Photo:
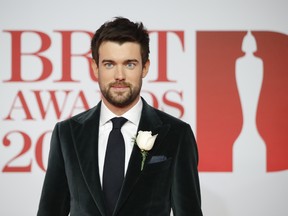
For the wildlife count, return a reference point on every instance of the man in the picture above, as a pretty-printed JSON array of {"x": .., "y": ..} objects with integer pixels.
[{"x": 77, "y": 178}]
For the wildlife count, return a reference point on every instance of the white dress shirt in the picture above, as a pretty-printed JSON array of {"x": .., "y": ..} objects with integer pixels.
[{"x": 129, "y": 130}]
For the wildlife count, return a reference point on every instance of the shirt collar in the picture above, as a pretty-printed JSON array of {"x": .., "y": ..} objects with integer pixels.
[{"x": 133, "y": 115}]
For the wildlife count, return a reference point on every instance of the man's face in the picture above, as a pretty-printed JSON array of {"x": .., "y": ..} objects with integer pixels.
[{"x": 120, "y": 72}]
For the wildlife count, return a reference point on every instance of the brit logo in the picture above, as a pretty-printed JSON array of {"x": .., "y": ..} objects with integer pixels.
[{"x": 242, "y": 102}]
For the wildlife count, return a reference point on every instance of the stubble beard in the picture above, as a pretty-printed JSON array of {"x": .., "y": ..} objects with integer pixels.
[{"x": 121, "y": 99}]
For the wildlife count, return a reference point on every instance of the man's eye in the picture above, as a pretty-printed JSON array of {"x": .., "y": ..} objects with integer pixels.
[
  {"x": 130, "y": 65},
  {"x": 108, "y": 65}
]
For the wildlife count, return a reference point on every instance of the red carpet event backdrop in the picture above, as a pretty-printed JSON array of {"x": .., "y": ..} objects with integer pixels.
[{"x": 222, "y": 67}]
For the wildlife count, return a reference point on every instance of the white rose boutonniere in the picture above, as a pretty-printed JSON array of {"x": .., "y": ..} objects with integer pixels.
[{"x": 145, "y": 142}]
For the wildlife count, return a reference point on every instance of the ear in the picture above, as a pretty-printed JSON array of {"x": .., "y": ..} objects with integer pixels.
[
  {"x": 95, "y": 68},
  {"x": 146, "y": 68}
]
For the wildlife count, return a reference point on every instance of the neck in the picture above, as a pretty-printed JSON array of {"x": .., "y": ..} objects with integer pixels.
[{"x": 119, "y": 111}]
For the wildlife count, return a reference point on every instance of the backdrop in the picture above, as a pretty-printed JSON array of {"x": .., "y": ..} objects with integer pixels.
[{"x": 221, "y": 66}]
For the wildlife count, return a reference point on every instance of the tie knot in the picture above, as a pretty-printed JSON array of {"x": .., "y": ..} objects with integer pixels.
[{"x": 118, "y": 122}]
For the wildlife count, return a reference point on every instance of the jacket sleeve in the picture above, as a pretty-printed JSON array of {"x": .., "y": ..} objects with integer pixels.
[
  {"x": 55, "y": 196},
  {"x": 186, "y": 198}
]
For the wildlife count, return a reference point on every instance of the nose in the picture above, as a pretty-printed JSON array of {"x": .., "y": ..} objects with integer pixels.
[{"x": 119, "y": 73}]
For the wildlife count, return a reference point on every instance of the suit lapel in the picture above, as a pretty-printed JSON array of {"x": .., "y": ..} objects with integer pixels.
[
  {"x": 85, "y": 133},
  {"x": 149, "y": 122}
]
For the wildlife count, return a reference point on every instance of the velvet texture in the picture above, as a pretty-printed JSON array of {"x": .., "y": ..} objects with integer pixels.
[{"x": 169, "y": 178}]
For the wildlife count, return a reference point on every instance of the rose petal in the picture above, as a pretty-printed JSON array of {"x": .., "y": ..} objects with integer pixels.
[
  {"x": 145, "y": 140},
  {"x": 150, "y": 142},
  {"x": 142, "y": 138}
]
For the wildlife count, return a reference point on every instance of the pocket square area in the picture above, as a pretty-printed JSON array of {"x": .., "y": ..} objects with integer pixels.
[{"x": 157, "y": 159}]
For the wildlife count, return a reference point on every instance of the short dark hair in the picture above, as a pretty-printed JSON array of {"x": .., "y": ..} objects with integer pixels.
[{"x": 121, "y": 30}]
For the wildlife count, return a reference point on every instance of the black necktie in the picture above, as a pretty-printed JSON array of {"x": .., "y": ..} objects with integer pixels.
[{"x": 113, "y": 173}]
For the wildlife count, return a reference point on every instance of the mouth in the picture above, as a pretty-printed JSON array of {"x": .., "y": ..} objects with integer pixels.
[{"x": 119, "y": 86}]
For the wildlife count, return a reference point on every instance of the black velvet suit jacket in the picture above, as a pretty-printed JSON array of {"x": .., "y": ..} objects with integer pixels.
[{"x": 169, "y": 178}]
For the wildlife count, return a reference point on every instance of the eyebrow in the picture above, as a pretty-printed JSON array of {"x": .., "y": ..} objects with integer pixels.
[
  {"x": 125, "y": 62},
  {"x": 106, "y": 60}
]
